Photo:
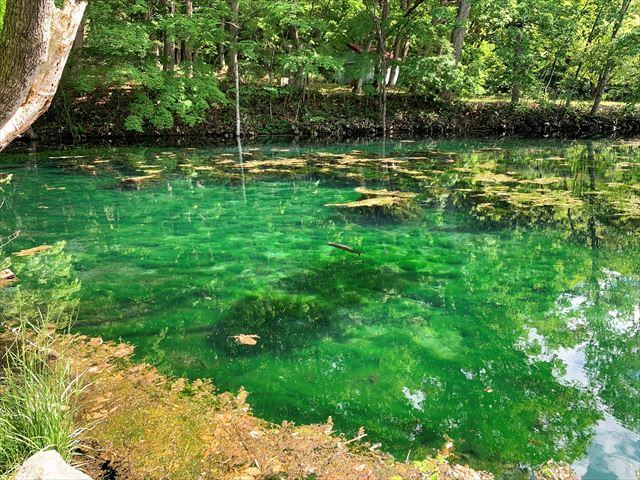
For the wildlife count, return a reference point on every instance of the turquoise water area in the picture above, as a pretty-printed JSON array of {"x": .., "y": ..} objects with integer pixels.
[{"x": 504, "y": 313}]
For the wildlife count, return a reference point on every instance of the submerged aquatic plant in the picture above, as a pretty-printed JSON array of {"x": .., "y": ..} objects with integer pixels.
[
  {"x": 38, "y": 391},
  {"x": 281, "y": 321}
]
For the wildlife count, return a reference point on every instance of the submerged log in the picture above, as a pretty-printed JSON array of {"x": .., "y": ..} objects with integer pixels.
[
  {"x": 32, "y": 251},
  {"x": 137, "y": 182},
  {"x": 370, "y": 202},
  {"x": 344, "y": 247},
  {"x": 370, "y": 193}
]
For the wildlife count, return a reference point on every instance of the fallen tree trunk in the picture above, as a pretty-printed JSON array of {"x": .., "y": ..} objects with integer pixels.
[{"x": 34, "y": 47}]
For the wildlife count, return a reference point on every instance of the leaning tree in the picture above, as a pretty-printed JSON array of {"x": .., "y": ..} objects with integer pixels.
[{"x": 35, "y": 42}]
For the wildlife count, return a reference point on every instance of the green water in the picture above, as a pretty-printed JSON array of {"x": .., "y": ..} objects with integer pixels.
[{"x": 505, "y": 314}]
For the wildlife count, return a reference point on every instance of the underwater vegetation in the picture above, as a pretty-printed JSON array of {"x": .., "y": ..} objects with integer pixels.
[{"x": 502, "y": 312}]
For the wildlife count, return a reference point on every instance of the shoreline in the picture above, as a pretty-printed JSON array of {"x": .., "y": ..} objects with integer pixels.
[{"x": 99, "y": 121}]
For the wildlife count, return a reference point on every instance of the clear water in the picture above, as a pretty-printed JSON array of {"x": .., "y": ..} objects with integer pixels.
[{"x": 505, "y": 314}]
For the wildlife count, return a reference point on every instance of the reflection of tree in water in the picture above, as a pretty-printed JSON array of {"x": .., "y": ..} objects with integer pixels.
[
  {"x": 600, "y": 319},
  {"x": 590, "y": 190},
  {"x": 498, "y": 404}
]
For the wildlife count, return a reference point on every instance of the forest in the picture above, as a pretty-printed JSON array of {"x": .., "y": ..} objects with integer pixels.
[{"x": 175, "y": 60}]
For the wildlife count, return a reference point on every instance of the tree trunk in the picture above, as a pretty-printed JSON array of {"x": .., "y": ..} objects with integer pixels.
[
  {"x": 235, "y": 7},
  {"x": 516, "y": 88},
  {"x": 188, "y": 52},
  {"x": 168, "y": 42},
  {"x": 590, "y": 38},
  {"x": 460, "y": 30},
  {"x": 603, "y": 80},
  {"x": 379, "y": 13},
  {"x": 154, "y": 36},
  {"x": 78, "y": 44},
  {"x": 35, "y": 44},
  {"x": 515, "y": 94},
  {"x": 401, "y": 53},
  {"x": 23, "y": 20},
  {"x": 222, "y": 60}
]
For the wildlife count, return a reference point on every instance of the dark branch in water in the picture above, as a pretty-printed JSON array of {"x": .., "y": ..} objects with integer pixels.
[{"x": 344, "y": 247}]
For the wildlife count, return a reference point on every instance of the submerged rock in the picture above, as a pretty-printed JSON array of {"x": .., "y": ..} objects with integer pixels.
[
  {"x": 7, "y": 277},
  {"x": 48, "y": 465}
]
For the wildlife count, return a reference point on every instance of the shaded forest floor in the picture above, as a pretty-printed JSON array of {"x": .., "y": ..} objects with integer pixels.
[{"x": 331, "y": 114}]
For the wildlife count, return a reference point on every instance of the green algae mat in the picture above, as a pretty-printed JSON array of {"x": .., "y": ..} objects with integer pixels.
[{"x": 490, "y": 291}]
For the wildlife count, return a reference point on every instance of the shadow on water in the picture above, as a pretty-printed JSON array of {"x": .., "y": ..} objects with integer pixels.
[{"x": 304, "y": 307}]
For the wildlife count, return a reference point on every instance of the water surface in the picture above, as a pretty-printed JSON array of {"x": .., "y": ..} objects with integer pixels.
[{"x": 503, "y": 313}]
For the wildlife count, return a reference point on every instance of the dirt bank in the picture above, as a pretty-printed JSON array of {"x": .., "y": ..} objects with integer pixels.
[{"x": 99, "y": 119}]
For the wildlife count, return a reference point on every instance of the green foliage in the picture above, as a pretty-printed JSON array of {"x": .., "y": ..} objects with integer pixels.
[
  {"x": 3, "y": 6},
  {"x": 172, "y": 61},
  {"x": 124, "y": 50},
  {"x": 431, "y": 76}
]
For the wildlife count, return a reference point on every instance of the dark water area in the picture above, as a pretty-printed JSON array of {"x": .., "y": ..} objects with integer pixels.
[{"x": 503, "y": 312}]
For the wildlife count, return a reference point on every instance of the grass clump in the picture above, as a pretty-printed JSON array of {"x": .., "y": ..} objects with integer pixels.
[{"x": 37, "y": 404}]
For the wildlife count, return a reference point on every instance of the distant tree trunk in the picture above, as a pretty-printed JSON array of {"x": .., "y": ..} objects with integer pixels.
[
  {"x": 299, "y": 79},
  {"x": 154, "y": 36},
  {"x": 222, "y": 60},
  {"x": 516, "y": 86},
  {"x": 34, "y": 47},
  {"x": 591, "y": 37},
  {"x": 178, "y": 52},
  {"x": 78, "y": 44},
  {"x": 379, "y": 13},
  {"x": 357, "y": 89},
  {"x": 460, "y": 30},
  {"x": 400, "y": 53},
  {"x": 168, "y": 42},
  {"x": 188, "y": 52},
  {"x": 603, "y": 79},
  {"x": 235, "y": 7}
]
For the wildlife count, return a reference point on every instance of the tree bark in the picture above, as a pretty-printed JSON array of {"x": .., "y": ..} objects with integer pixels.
[
  {"x": 24, "y": 20},
  {"x": 460, "y": 30},
  {"x": 35, "y": 45}
]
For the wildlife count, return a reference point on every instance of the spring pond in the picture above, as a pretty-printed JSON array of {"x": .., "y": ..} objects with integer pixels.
[{"x": 501, "y": 310}]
